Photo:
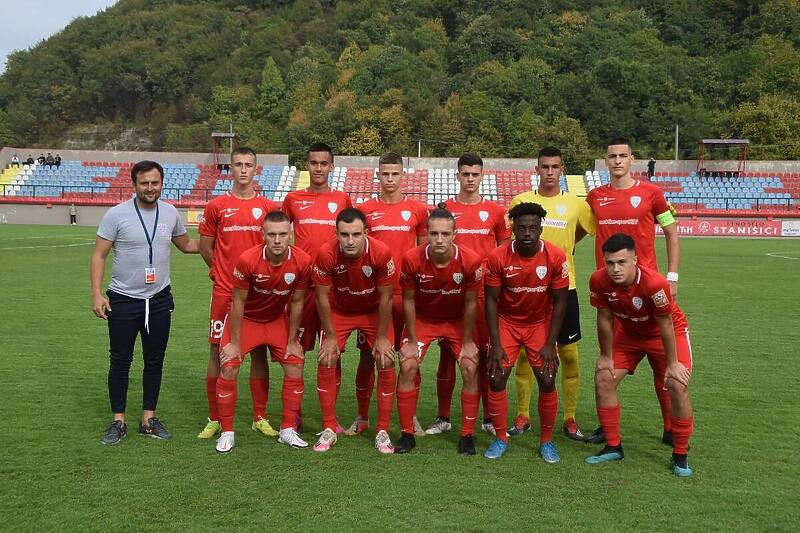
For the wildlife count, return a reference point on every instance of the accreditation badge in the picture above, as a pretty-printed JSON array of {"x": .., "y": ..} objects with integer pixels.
[{"x": 149, "y": 275}]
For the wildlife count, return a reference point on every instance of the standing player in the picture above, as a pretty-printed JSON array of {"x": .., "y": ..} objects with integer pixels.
[
  {"x": 631, "y": 206},
  {"x": 526, "y": 299},
  {"x": 232, "y": 224},
  {"x": 355, "y": 277},
  {"x": 637, "y": 317},
  {"x": 569, "y": 219},
  {"x": 313, "y": 212},
  {"x": 265, "y": 279},
  {"x": 399, "y": 222},
  {"x": 440, "y": 292},
  {"x": 481, "y": 227}
]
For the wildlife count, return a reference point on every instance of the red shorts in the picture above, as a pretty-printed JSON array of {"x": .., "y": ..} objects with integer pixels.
[
  {"x": 218, "y": 314},
  {"x": 449, "y": 334},
  {"x": 273, "y": 335},
  {"x": 531, "y": 337},
  {"x": 365, "y": 323},
  {"x": 629, "y": 351},
  {"x": 309, "y": 323},
  {"x": 398, "y": 321}
]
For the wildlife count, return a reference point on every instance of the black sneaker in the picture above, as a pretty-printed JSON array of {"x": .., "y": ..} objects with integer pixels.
[
  {"x": 596, "y": 436},
  {"x": 466, "y": 445},
  {"x": 115, "y": 433},
  {"x": 406, "y": 443},
  {"x": 155, "y": 429},
  {"x": 666, "y": 438}
]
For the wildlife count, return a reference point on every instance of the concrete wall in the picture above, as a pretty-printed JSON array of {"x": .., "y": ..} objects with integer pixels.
[
  {"x": 56, "y": 215},
  {"x": 685, "y": 166}
]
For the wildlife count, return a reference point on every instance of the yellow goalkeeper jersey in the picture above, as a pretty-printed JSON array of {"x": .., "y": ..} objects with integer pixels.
[{"x": 565, "y": 212}]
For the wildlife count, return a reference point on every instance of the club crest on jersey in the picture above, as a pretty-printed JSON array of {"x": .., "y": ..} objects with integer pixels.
[
  {"x": 289, "y": 277},
  {"x": 458, "y": 277},
  {"x": 561, "y": 209},
  {"x": 636, "y": 200},
  {"x": 637, "y": 302},
  {"x": 483, "y": 215},
  {"x": 367, "y": 270},
  {"x": 541, "y": 271},
  {"x": 405, "y": 215},
  {"x": 332, "y": 207},
  {"x": 257, "y": 212}
]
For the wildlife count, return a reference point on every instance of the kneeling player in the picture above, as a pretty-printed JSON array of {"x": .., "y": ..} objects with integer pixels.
[
  {"x": 526, "y": 298},
  {"x": 648, "y": 323},
  {"x": 355, "y": 277},
  {"x": 440, "y": 291},
  {"x": 265, "y": 280}
]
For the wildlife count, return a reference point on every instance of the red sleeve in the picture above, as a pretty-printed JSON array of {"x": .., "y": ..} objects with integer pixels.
[
  {"x": 474, "y": 273},
  {"x": 286, "y": 207},
  {"x": 660, "y": 297},
  {"x": 303, "y": 271},
  {"x": 659, "y": 202},
  {"x": 347, "y": 202},
  {"x": 596, "y": 297},
  {"x": 272, "y": 206},
  {"x": 387, "y": 272},
  {"x": 502, "y": 230},
  {"x": 321, "y": 272},
  {"x": 560, "y": 269},
  {"x": 494, "y": 271},
  {"x": 242, "y": 272},
  {"x": 422, "y": 220},
  {"x": 408, "y": 272},
  {"x": 208, "y": 226}
]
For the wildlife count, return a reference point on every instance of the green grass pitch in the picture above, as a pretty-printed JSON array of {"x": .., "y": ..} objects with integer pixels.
[{"x": 742, "y": 307}]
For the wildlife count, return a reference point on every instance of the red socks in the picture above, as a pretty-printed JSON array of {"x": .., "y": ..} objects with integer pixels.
[
  {"x": 445, "y": 380},
  {"x": 259, "y": 389},
  {"x": 609, "y": 420},
  {"x": 387, "y": 382},
  {"x": 326, "y": 388},
  {"x": 406, "y": 408},
  {"x": 548, "y": 410},
  {"x": 365, "y": 382},
  {"x": 469, "y": 412},
  {"x": 682, "y": 429},
  {"x": 498, "y": 411},
  {"x": 292, "y": 399},
  {"x": 226, "y": 402},
  {"x": 211, "y": 394}
]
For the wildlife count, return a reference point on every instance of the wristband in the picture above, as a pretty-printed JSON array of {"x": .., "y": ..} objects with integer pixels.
[{"x": 672, "y": 276}]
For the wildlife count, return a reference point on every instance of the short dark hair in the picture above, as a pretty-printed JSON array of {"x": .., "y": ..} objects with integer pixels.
[
  {"x": 526, "y": 208},
  {"x": 442, "y": 212},
  {"x": 617, "y": 242},
  {"x": 469, "y": 159},
  {"x": 392, "y": 158},
  {"x": 244, "y": 150},
  {"x": 619, "y": 140},
  {"x": 321, "y": 147},
  {"x": 276, "y": 216},
  {"x": 549, "y": 151},
  {"x": 350, "y": 214},
  {"x": 145, "y": 166}
]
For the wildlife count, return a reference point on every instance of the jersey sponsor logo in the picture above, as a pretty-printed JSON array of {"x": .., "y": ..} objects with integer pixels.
[
  {"x": 319, "y": 272},
  {"x": 541, "y": 288},
  {"x": 317, "y": 221},
  {"x": 554, "y": 223},
  {"x": 163, "y": 229},
  {"x": 405, "y": 215},
  {"x": 424, "y": 278},
  {"x": 303, "y": 204},
  {"x": 565, "y": 270},
  {"x": 257, "y": 212},
  {"x": 660, "y": 298},
  {"x": 375, "y": 216},
  {"x": 332, "y": 206},
  {"x": 605, "y": 200},
  {"x": 635, "y": 201},
  {"x": 261, "y": 278},
  {"x": 455, "y": 214},
  {"x": 481, "y": 231},
  {"x": 637, "y": 302},
  {"x": 618, "y": 222},
  {"x": 276, "y": 292},
  {"x": 339, "y": 269},
  {"x": 367, "y": 270},
  {"x": 229, "y": 211},
  {"x": 289, "y": 277},
  {"x": 443, "y": 292},
  {"x": 458, "y": 277},
  {"x": 570, "y": 337},
  {"x": 356, "y": 293},
  {"x": 303, "y": 207},
  {"x": 483, "y": 215},
  {"x": 541, "y": 271},
  {"x": 403, "y": 229},
  {"x": 237, "y": 274},
  {"x": 512, "y": 268},
  {"x": 512, "y": 274},
  {"x": 241, "y": 228},
  {"x": 561, "y": 209},
  {"x": 390, "y": 267}
]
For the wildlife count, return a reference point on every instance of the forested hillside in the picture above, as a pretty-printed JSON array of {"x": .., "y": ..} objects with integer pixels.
[{"x": 499, "y": 77}]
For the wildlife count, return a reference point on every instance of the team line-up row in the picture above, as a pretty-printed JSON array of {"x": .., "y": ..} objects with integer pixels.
[{"x": 482, "y": 281}]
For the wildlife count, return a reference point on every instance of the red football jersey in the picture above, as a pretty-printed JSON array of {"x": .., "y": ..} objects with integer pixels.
[
  {"x": 526, "y": 282},
  {"x": 236, "y": 226},
  {"x": 635, "y": 307},
  {"x": 632, "y": 211},
  {"x": 480, "y": 226},
  {"x": 354, "y": 282},
  {"x": 313, "y": 215},
  {"x": 439, "y": 293},
  {"x": 269, "y": 288}
]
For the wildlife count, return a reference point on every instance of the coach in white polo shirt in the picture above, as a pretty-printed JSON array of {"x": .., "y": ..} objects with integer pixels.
[{"x": 140, "y": 231}]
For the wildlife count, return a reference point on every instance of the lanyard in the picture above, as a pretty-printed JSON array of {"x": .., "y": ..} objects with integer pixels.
[{"x": 146, "y": 234}]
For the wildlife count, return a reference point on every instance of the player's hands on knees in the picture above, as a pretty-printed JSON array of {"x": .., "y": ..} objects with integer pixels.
[
  {"x": 409, "y": 350},
  {"x": 328, "y": 351},
  {"x": 294, "y": 348},
  {"x": 231, "y": 352},
  {"x": 550, "y": 357},
  {"x": 100, "y": 305},
  {"x": 605, "y": 363},
  {"x": 679, "y": 373},
  {"x": 469, "y": 350},
  {"x": 497, "y": 356},
  {"x": 383, "y": 351}
]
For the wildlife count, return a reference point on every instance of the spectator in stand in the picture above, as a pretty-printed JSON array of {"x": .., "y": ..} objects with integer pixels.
[
  {"x": 30, "y": 160},
  {"x": 58, "y": 160},
  {"x": 651, "y": 168},
  {"x": 14, "y": 161},
  {"x": 41, "y": 159},
  {"x": 49, "y": 161}
]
